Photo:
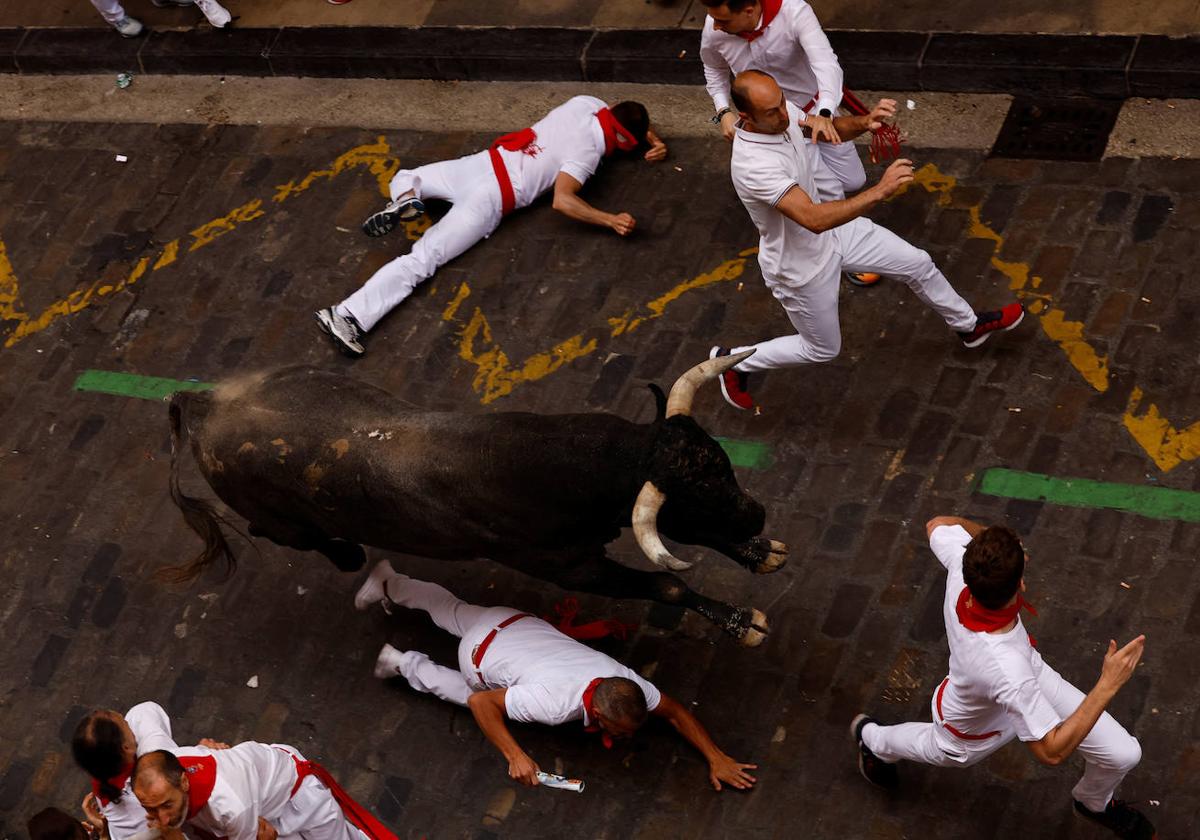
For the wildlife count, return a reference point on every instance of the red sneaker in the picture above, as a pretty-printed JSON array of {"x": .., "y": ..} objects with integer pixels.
[
  {"x": 997, "y": 320},
  {"x": 734, "y": 383}
]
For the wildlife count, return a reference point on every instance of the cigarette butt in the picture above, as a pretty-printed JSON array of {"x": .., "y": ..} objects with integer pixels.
[
  {"x": 758, "y": 411},
  {"x": 682, "y": 53},
  {"x": 740, "y": 285},
  {"x": 343, "y": 229},
  {"x": 1145, "y": 300},
  {"x": 678, "y": 168},
  {"x": 1125, "y": 585},
  {"x": 1015, "y": 410}
]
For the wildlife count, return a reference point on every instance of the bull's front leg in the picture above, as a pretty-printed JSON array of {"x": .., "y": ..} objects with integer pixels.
[
  {"x": 760, "y": 555},
  {"x": 607, "y": 577}
]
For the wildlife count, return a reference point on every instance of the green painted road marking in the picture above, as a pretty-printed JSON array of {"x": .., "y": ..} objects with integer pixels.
[
  {"x": 1154, "y": 502},
  {"x": 746, "y": 453},
  {"x": 132, "y": 385}
]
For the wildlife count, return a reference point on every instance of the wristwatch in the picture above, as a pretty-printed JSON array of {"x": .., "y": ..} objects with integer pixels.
[
  {"x": 825, "y": 112},
  {"x": 716, "y": 120}
]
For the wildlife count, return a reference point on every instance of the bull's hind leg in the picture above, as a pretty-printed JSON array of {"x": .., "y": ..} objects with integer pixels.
[
  {"x": 603, "y": 576},
  {"x": 347, "y": 556}
]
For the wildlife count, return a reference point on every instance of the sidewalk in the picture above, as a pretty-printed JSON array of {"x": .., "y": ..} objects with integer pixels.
[
  {"x": 1104, "y": 17},
  {"x": 972, "y": 48}
]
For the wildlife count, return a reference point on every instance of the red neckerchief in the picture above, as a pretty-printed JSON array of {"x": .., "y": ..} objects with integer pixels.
[
  {"x": 202, "y": 775},
  {"x": 616, "y": 136},
  {"x": 770, "y": 8},
  {"x": 974, "y": 616},
  {"x": 118, "y": 781},
  {"x": 590, "y": 710},
  {"x": 516, "y": 141}
]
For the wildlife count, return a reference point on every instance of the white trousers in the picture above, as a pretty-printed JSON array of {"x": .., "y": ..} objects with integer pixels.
[
  {"x": 812, "y": 307},
  {"x": 313, "y": 814},
  {"x": 844, "y": 162},
  {"x": 467, "y": 621},
  {"x": 111, "y": 10},
  {"x": 1109, "y": 751},
  {"x": 470, "y": 183}
]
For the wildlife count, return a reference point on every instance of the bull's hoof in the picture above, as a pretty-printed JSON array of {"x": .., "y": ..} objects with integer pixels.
[
  {"x": 776, "y": 559},
  {"x": 756, "y": 630}
]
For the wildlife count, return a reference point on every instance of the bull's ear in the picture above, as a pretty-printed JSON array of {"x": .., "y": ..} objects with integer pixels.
[{"x": 660, "y": 401}]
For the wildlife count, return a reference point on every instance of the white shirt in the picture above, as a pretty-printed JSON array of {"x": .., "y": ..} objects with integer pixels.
[
  {"x": 546, "y": 673},
  {"x": 152, "y": 730},
  {"x": 764, "y": 167},
  {"x": 993, "y": 682},
  {"x": 793, "y": 49},
  {"x": 569, "y": 139},
  {"x": 253, "y": 780}
]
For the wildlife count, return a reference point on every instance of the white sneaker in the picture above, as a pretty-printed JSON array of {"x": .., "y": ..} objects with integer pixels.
[
  {"x": 217, "y": 14},
  {"x": 388, "y": 663},
  {"x": 344, "y": 331},
  {"x": 373, "y": 592},
  {"x": 129, "y": 27}
]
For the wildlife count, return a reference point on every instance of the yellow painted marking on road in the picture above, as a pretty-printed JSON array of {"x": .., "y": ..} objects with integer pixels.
[
  {"x": 376, "y": 157},
  {"x": 459, "y": 296},
  {"x": 169, "y": 254},
  {"x": 1168, "y": 446},
  {"x": 1083, "y": 357},
  {"x": 206, "y": 233}
]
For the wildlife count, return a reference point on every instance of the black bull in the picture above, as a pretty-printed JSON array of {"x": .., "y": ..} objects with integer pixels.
[{"x": 318, "y": 461}]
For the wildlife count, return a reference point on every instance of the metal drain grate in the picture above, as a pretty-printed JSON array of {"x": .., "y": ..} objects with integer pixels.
[{"x": 1057, "y": 129}]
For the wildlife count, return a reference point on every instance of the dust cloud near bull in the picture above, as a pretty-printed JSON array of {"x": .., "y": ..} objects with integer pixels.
[{"x": 318, "y": 461}]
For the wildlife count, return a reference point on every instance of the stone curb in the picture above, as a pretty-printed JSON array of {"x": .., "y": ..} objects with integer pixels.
[{"x": 1109, "y": 66}]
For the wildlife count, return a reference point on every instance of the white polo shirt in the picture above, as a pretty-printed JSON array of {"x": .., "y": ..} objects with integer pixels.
[
  {"x": 764, "y": 167},
  {"x": 253, "y": 780},
  {"x": 547, "y": 672},
  {"x": 569, "y": 139},
  {"x": 793, "y": 49},
  {"x": 993, "y": 682}
]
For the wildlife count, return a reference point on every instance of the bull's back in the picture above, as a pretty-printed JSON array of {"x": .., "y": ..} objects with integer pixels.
[{"x": 323, "y": 451}]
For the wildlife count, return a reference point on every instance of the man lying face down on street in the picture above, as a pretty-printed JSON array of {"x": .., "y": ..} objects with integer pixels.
[{"x": 515, "y": 666}]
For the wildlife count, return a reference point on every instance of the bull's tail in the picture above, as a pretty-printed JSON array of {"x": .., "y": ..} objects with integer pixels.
[{"x": 200, "y": 516}]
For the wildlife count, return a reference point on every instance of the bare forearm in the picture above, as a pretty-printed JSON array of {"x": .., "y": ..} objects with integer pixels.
[
  {"x": 491, "y": 721},
  {"x": 690, "y": 728},
  {"x": 1063, "y": 739},
  {"x": 574, "y": 207},
  {"x": 831, "y": 214},
  {"x": 973, "y": 529},
  {"x": 850, "y": 127}
]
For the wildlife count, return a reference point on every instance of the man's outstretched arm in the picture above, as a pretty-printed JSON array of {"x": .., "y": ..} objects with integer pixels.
[
  {"x": 849, "y": 127},
  {"x": 568, "y": 202},
  {"x": 973, "y": 529},
  {"x": 798, "y": 206},
  {"x": 489, "y": 711},
  {"x": 1058, "y": 744},
  {"x": 721, "y": 768}
]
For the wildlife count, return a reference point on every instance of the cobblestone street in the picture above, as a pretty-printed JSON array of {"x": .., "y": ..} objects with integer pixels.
[{"x": 206, "y": 253}]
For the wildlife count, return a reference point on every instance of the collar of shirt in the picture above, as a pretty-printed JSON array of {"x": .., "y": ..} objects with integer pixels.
[{"x": 762, "y": 139}]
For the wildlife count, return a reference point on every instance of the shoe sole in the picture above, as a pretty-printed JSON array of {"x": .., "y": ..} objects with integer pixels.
[
  {"x": 381, "y": 224},
  {"x": 854, "y": 281},
  {"x": 341, "y": 345},
  {"x": 363, "y": 602},
  {"x": 987, "y": 335}
]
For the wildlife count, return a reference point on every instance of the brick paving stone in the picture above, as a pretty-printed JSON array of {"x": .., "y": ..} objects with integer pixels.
[{"x": 863, "y": 451}]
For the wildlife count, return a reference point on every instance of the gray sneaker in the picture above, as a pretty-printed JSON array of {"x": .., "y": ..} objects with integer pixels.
[
  {"x": 343, "y": 330},
  {"x": 129, "y": 27}
]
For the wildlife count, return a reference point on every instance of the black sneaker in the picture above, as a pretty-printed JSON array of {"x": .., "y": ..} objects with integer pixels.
[
  {"x": 998, "y": 320},
  {"x": 1121, "y": 819},
  {"x": 734, "y": 383},
  {"x": 343, "y": 329},
  {"x": 403, "y": 209},
  {"x": 874, "y": 769}
]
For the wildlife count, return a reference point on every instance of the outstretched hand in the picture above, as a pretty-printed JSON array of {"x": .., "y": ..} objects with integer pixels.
[
  {"x": 896, "y": 176},
  {"x": 657, "y": 150},
  {"x": 732, "y": 773},
  {"x": 1119, "y": 665},
  {"x": 822, "y": 129},
  {"x": 885, "y": 109},
  {"x": 622, "y": 223}
]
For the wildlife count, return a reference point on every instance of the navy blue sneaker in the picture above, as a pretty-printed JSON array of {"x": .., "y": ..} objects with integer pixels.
[
  {"x": 1121, "y": 819},
  {"x": 873, "y": 768}
]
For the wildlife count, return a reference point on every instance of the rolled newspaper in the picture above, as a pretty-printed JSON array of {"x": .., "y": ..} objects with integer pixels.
[{"x": 550, "y": 780}]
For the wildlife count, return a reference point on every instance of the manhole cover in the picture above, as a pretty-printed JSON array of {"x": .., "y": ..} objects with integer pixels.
[{"x": 1057, "y": 129}]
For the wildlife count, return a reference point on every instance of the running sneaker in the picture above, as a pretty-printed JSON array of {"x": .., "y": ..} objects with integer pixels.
[
  {"x": 1121, "y": 819},
  {"x": 862, "y": 278},
  {"x": 873, "y": 768},
  {"x": 734, "y": 383},
  {"x": 403, "y": 209},
  {"x": 997, "y": 320},
  {"x": 129, "y": 27},
  {"x": 343, "y": 329}
]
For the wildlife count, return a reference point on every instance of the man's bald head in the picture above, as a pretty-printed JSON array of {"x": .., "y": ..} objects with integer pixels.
[
  {"x": 161, "y": 786},
  {"x": 760, "y": 102}
]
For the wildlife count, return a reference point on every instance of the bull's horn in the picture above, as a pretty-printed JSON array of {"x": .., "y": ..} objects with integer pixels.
[
  {"x": 684, "y": 389},
  {"x": 645, "y": 528}
]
